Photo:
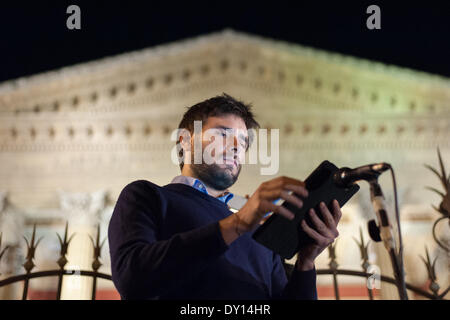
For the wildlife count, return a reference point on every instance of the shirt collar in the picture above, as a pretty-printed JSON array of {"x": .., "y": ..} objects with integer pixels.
[{"x": 200, "y": 186}]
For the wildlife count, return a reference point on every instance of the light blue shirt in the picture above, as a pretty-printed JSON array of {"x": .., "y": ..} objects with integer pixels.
[{"x": 197, "y": 184}]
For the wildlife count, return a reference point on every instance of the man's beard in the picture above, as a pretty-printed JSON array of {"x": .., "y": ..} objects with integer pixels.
[{"x": 215, "y": 176}]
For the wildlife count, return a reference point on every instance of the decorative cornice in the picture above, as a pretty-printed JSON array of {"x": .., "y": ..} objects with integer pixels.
[{"x": 227, "y": 36}]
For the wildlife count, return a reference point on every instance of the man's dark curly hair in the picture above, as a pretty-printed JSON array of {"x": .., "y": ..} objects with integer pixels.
[{"x": 217, "y": 106}]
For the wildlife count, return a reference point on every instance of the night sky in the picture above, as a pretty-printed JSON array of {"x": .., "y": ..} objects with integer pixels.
[{"x": 34, "y": 36}]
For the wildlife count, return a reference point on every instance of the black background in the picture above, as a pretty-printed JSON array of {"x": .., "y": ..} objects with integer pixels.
[{"x": 34, "y": 37}]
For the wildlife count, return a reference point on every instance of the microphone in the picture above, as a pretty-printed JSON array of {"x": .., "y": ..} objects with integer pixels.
[{"x": 346, "y": 176}]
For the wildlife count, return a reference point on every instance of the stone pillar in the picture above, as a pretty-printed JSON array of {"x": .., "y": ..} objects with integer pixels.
[
  {"x": 12, "y": 223},
  {"x": 83, "y": 211}
]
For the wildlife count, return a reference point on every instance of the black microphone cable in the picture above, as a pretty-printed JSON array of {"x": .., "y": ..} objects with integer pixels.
[
  {"x": 397, "y": 217},
  {"x": 398, "y": 256}
]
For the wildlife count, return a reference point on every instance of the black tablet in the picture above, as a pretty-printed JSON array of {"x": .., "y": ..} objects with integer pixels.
[{"x": 284, "y": 236}]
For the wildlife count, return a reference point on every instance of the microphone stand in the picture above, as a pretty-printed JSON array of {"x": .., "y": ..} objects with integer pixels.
[{"x": 383, "y": 232}]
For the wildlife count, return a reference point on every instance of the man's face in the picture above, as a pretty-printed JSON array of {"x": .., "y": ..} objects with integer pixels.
[{"x": 224, "y": 139}]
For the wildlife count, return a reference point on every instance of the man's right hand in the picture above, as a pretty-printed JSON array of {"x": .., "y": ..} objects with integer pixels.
[{"x": 260, "y": 203}]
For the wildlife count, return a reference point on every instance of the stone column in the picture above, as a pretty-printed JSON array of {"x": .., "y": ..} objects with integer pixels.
[
  {"x": 12, "y": 223},
  {"x": 83, "y": 212}
]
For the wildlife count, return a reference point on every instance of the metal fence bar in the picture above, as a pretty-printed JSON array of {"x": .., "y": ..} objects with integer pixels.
[
  {"x": 62, "y": 261},
  {"x": 53, "y": 273},
  {"x": 96, "y": 264},
  {"x": 25, "y": 289},
  {"x": 56, "y": 272},
  {"x": 29, "y": 263},
  {"x": 58, "y": 290},
  {"x": 363, "y": 248},
  {"x": 94, "y": 288},
  {"x": 333, "y": 266},
  {"x": 382, "y": 278}
]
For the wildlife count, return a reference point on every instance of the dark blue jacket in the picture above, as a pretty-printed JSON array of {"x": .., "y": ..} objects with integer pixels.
[{"x": 165, "y": 243}]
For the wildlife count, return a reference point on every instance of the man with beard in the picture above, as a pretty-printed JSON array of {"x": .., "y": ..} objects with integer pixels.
[{"x": 181, "y": 241}]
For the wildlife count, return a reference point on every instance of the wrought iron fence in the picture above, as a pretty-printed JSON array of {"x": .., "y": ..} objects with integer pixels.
[
  {"x": 62, "y": 261},
  {"x": 434, "y": 292},
  {"x": 333, "y": 270}
]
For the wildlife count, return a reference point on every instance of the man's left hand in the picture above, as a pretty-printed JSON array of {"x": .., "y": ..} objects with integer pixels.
[{"x": 322, "y": 232}]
